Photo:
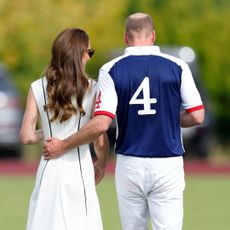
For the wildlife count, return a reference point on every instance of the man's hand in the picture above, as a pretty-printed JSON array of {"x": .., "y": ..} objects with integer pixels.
[
  {"x": 53, "y": 148},
  {"x": 99, "y": 170}
]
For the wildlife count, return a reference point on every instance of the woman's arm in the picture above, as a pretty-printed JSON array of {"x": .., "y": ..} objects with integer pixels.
[{"x": 28, "y": 132}]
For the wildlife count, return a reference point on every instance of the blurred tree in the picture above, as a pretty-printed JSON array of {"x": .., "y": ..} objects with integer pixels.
[{"x": 31, "y": 26}]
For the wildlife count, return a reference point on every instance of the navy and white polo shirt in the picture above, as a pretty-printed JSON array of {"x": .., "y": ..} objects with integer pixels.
[{"x": 146, "y": 90}]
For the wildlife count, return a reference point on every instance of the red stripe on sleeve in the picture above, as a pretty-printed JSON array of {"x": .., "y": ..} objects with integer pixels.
[
  {"x": 104, "y": 113},
  {"x": 193, "y": 109}
]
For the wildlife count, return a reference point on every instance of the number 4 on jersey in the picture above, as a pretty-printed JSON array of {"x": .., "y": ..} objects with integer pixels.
[{"x": 146, "y": 100}]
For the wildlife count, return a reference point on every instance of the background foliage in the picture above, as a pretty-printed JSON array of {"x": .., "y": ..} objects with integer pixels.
[{"x": 27, "y": 29}]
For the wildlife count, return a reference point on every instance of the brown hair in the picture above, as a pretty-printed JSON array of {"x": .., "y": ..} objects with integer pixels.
[
  {"x": 138, "y": 23},
  {"x": 65, "y": 74}
]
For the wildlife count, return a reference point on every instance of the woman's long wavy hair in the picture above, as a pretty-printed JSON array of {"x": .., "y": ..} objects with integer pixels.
[{"x": 65, "y": 74}]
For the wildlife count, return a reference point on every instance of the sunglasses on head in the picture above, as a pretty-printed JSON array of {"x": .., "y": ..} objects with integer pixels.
[{"x": 90, "y": 52}]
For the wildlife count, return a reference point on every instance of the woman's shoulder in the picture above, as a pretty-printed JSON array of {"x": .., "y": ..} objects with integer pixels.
[
  {"x": 92, "y": 87},
  {"x": 39, "y": 81},
  {"x": 39, "y": 85},
  {"x": 92, "y": 84}
]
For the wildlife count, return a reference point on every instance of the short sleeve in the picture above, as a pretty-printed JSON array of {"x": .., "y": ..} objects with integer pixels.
[
  {"x": 191, "y": 100},
  {"x": 106, "y": 99}
]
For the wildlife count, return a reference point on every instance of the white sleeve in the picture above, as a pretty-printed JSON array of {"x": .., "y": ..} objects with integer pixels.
[
  {"x": 190, "y": 95},
  {"x": 106, "y": 100}
]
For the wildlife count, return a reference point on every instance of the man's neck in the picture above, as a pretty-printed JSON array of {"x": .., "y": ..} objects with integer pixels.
[{"x": 140, "y": 42}]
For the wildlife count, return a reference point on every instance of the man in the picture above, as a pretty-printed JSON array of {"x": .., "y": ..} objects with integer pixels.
[{"x": 146, "y": 90}]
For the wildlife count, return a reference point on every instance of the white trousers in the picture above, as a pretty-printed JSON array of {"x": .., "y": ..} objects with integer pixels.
[{"x": 150, "y": 187}]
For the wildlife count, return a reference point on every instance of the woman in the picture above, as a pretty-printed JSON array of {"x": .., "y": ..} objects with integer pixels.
[{"x": 64, "y": 196}]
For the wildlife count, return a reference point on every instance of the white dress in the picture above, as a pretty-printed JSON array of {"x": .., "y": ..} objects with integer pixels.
[{"x": 64, "y": 196}]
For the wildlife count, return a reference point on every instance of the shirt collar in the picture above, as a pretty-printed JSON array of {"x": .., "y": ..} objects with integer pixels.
[{"x": 142, "y": 50}]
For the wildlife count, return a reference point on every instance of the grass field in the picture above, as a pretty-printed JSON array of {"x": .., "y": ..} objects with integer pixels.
[{"x": 207, "y": 202}]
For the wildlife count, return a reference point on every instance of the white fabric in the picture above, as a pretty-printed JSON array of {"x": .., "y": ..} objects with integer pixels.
[
  {"x": 106, "y": 96},
  {"x": 150, "y": 186},
  {"x": 58, "y": 199}
]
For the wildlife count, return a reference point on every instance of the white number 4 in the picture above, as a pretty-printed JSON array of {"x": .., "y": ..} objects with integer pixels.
[{"x": 146, "y": 100}]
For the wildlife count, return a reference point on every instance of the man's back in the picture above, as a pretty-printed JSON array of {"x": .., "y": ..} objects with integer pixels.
[{"x": 148, "y": 89}]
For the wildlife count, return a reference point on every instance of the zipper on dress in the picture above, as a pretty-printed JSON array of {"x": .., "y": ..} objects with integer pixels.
[
  {"x": 43, "y": 171},
  {"x": 79, "y": 159}
]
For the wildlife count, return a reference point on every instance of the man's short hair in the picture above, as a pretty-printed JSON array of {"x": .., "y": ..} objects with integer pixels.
[{"x": 138, "y": 23}]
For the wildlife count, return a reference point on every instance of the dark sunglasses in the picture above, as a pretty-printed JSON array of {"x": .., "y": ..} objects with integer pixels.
[{"x": 90, "y": 52}]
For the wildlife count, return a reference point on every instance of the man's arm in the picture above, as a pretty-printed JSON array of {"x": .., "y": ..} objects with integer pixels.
[
  {"x": 101, "y": 147},
  {"x": 88, "y": 133},
  {"x": 193, "y": 118}
]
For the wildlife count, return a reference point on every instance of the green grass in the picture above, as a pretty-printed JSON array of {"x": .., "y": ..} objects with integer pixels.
[
  {"x": 207, "y": 202},
  {"x": 14, "y": 201}
]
